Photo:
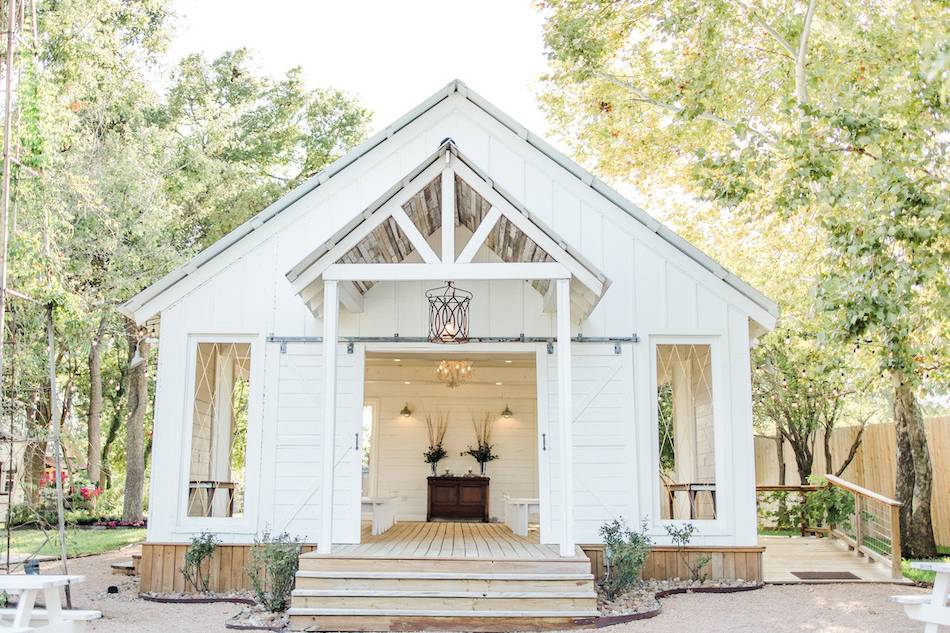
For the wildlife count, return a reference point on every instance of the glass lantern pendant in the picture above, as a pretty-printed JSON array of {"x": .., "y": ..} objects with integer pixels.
[{"x": 448, "y": 314}]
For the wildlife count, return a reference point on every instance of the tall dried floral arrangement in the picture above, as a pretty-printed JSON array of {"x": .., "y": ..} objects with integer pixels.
[
  {"x": 482, "y": 452},
  {"x": 436, "y": 429}
]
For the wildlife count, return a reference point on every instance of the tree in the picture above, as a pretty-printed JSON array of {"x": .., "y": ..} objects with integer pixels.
[
  {"x": 803, "y": 391},
  {"x": 243, "y": 139},
  {"x": 832, "y": 117}
]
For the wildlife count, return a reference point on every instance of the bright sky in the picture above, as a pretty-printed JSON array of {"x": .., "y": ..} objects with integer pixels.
[{"x": 390, "y": 54}]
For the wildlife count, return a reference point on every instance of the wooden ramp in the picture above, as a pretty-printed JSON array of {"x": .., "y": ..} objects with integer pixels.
[
  {"x": 443, "y": 576},
  {"x": 817, "y": 559}
]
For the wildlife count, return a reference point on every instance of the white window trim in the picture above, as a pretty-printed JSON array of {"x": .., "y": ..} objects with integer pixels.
[
  {"x": 722, "y": 525},
  {"x": 247, "y": 523}
]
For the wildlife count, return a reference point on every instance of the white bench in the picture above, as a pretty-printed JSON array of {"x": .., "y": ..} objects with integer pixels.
[
  {"x": 517, "y": 512},
  {"x": 382, "y": 510},
  {"x": 932, "y": 610},
  {"x": 53, "y": 619}
]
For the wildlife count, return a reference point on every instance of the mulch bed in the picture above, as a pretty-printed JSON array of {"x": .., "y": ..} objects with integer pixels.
[{"x": 210, "y": 598}]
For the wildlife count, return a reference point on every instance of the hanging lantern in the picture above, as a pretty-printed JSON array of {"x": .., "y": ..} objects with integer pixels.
[{"x": 448, "y": 314}]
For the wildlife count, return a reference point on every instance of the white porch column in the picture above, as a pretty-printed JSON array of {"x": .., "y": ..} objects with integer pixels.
[
  {"x": 565, "y": 415},
  {"x": 331, "y": 311}
]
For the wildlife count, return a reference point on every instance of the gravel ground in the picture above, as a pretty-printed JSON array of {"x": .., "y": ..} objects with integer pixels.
[{"x": 831, "y": 608}]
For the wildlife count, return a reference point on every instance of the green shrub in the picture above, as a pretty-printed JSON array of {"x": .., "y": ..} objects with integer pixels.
[
  {"x": 828, "y": 506},
  {"x": 201, "y": 549},
  {"x": 273, "y": 569},
  {"x": 625, "y": 551},
  {"x": 682, "y": 534}
]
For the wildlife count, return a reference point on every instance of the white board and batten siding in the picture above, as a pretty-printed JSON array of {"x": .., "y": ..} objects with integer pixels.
[{"x": 656, "y": 291}]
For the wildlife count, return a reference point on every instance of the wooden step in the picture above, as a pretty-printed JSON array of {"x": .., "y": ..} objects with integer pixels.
[
  {"x": 576, "y": 603},
  {"x": 461, "y": 582},
  {"x": 410, "y": 620},
  {"x": 447, "y": 565}
]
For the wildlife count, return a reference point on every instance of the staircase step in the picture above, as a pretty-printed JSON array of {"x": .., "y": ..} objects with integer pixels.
[
  {"x": 451, "y": 593},
  {"x": 446, "y": 565},
  {"x": 440, "y": 613},
  {"x": 373, "y": 604},
  {"x": 507, "y": 582}
]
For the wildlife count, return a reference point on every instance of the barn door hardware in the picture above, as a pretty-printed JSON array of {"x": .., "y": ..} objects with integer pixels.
[
  {"x": 349, "y": 347},
  {"x": 356, "y": 441},
  {"x": 544, "y": 441}
]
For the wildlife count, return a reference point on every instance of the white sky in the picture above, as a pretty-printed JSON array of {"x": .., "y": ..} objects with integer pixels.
[{"x": 391, "y": 55}]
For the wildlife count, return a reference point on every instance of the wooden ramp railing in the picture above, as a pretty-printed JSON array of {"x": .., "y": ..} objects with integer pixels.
[
  {"x": 874, "y": 526},
  {"x": 872, "y": 529}
]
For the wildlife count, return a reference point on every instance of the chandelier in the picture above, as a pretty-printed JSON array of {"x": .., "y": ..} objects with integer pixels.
[
  {"x": 448, "y": 314},
  {"x": 454, "y": 372}
]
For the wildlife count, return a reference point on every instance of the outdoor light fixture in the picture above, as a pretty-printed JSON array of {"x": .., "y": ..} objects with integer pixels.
[
  {"x": 448, "y": 314},
  {"x": 507, "y": 412},
  {"x": 454, "y": 372},
  {"x": 405, "y": 411}
]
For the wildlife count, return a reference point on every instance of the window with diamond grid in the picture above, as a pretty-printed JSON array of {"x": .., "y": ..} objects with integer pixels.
[
  {"x": 687, "y": 456},
  {"x": 219, "y": 430}
]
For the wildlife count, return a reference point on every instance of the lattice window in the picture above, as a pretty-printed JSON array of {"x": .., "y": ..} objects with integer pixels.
[
  {"x": 687, "y": 460},
  {"x": 219, "y": 430}
]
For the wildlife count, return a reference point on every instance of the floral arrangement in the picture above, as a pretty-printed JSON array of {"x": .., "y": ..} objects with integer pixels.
[
  {"x": 436, "y": 430},
  {"x": 482, "y": 451}
]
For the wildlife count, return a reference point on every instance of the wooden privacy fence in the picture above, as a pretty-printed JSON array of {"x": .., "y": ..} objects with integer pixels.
[{"x": 874, "y": 467}]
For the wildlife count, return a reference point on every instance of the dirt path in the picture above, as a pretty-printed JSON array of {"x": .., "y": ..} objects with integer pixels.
[{"x": 776, "y": 609}]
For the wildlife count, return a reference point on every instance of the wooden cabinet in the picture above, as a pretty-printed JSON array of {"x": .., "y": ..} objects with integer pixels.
[{"x": 458, "y": 498}]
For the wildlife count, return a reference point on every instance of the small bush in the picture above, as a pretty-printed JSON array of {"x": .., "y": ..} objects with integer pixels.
[
  {"x": 682, "y": 535},
  {"x": 625, "y": 552},
  {"x": 201, "y": 549},
  {"x": 273, "y": 569}
]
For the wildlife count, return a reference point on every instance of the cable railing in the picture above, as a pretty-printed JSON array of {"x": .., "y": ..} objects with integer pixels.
[{"x": 874, "y": 526}]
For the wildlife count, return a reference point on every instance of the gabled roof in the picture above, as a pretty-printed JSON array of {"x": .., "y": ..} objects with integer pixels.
[
  {"x": 133, "y": 306},
  {"x": 398, "y": 223}
]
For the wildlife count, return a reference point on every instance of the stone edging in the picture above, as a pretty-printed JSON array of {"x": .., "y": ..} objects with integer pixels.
[{"x": 162, "y": 600}]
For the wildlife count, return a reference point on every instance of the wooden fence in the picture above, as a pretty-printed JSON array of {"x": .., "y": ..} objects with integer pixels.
[{"x": 874, "y": 466}]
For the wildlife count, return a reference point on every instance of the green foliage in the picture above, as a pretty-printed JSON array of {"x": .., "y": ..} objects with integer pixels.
[
  {"x": 682, "y": 534},
  {"x": 625, "y": 552},
  {"x": 273, "y": 569},
  {"x": 435, "y": 454},
  {"x": 827, "y": 507},
  {"x": 200, "y": 551},
  {"x": 482, "y": 453}
]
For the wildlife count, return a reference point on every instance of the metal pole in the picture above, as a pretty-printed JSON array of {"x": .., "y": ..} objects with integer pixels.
[
  {"x": 57, "y": 444},
  {"x": 5, "y": 188}
]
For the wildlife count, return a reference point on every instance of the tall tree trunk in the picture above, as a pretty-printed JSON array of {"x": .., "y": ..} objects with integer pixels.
[
  {"x": 780, "y": 454},
  {"x": 94, "y": 418},
  {"x": 118, "y": 408},
  {"x": 132, "y": 508},
  {"x": 34, "y": 452},
  {"x": 914, "y": 472}
]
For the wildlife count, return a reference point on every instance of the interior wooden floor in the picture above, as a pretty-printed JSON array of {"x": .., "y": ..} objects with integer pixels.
[
  {"x": 492, "y": 541},
  {"x": 784, "y": 555}
]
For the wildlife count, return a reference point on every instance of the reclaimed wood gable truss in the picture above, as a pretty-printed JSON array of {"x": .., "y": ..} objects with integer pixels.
[{"x": 393, "y": 240}]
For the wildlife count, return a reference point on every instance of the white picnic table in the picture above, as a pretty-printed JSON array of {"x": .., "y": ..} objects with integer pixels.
[
  {"x": 383, "y": 511},
  {"x": 932, "y": 610},
  {"x": 517, "y": 511},
  {"x": 25, "y": 617}
]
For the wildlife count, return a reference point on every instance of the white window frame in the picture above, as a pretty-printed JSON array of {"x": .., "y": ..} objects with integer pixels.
[
  {"x": 722, "y": 438},
  {"x": 245, "y": 524}
]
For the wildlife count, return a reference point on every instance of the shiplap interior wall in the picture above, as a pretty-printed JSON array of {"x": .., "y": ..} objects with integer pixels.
[{"x": 399, "y": 469}]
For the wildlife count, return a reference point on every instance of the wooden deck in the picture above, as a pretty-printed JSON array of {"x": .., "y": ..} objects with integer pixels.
[
  {"x": 784, "y": 555},
  {"x": 487, "y": 541}
]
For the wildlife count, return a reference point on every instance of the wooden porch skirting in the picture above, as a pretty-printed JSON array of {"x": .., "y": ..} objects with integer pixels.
[{"x": 161, "y": 563}]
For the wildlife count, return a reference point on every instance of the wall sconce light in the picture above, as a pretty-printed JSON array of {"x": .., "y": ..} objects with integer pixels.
[
  {"x": 507, "y": 412},
  {"x": 405, "y": 411}
]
